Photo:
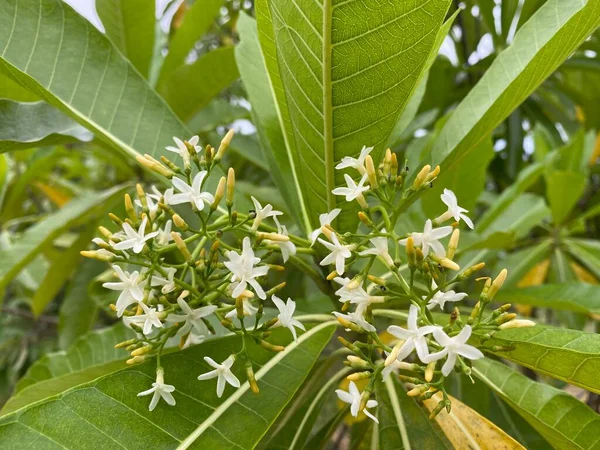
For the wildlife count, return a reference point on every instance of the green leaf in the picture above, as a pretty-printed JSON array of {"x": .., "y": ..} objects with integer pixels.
[
  {"x": 196, "y": 22},
  {"x": 26, "y": 125},
  {"x": 93, "y": 355},
  {"x": 563, "y": 190},
  {"x": 539, "y": 47},
  {"x": 218, "y": 112},
  {"x": 57, "y": 54},
  {"x": 521, "y": 261},
  {"x": 130, "y": 25},
  {"x": 32, "y": 241},
  {"x": 337, "y": 87},
  {"x": 10, "y": 89},
  {"x": 403, "y": 423},
  {"x": 587, "y": 251},
  {"x": 191, "y": 87},
  {"x": 200, "y": 419},
  {"x": 562, "y": 419},
  {"x": 568, "y": 355}
]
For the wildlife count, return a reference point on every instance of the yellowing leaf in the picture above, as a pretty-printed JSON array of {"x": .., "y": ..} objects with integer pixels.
[
  {"x": 534, "y": 277},
  {"x": 56, "y": 196},
  {"x": 467, "y": 429},
  {"x": 583, "y": 274}
]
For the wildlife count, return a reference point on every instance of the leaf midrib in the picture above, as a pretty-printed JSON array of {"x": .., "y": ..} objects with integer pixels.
[{"x": 328, "y": 103}]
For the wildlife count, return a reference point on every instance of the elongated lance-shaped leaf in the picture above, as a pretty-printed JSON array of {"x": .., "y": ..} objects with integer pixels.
[
  {"x": 342, "y": 72},
  {"x": 569, "y": 355},
  {"x": 199, "y": 419},
  {"x": 539, "y": 47},
  {"x": 562, "y": 419},
  {"x": 56, "y": 53}
]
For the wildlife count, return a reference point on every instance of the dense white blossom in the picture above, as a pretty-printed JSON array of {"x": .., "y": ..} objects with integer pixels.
[
  {"x": 429, "y": 238},
  {"x": 242, "y": 266}
]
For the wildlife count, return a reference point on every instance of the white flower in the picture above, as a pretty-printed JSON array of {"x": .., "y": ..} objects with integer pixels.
[
  {"x": 440, "y": 298},
  {"x": 150, "y": 319},
  {"x": 353, "y": 191},
  {"x": 159, "y": 389},
  {"x": 192, "y": 339},
  {"x": 131, "y": 287},
  {"x": 135, "y": 239},
  {"x": 262, "y": 213},
  {"x": 152, "y": 202},
  {"x": 166, "y": 196},
  {"x": 380, "y": 248},
  {"x": 353, "y": 397},
  {"x": 394, "y": 367},
  {"x": 286, "y": 311},
  {"x": 168, "y": 284},
  {"x": 414, "y": 337},
  {"x": 287, "y": 248},
  {"x": 164, "y": 236},
  {"x": 223, "y": 372},
  {"x": 192, "y": 317},
  {"x": 357, "y": 317},
  {"x": 358, "y": 164},
  {"x": 430, "y": 238},
  {"x": 243, "y": 270},
  {"x": 191, "y": 194},
  {"x": 454, "y": 210},
  {"x": 324, "y": 219},
  {"x": 355, "y": 294},
  {"x": 181, "y": 148},
  {"x": 453, "y": 346},
  {"x": 247, "y": 308},
  {"x": 339, "y": 253}
]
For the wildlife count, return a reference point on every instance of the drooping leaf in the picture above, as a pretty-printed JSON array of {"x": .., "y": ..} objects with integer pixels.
[
  {"x": 338, "y": 88},
  {"x": 26, "y": 125},
  {"x": 199, "y": 420},
  {"x": 130, "y": 24},
  {"x": 562, "y": 419},
  {"x": 83, "y": 76}
]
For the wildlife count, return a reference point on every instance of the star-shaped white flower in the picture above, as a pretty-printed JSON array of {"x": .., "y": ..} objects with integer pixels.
[
  {"x": 244, "y": 272},
  {"x": 413, "y": 337},
  {"x": 192, "y": 317},
  {"x": 380, "y": 248},
  {"x": 147, "y": 321},
  {"x": 324, "y": 220},
  {"x": 159, "y": 390},
  {"x": 354, "y": 163},
  {"x": 287, "y": 248},
  {"x": 394, "y": 367},
  {"x": 350, "y": 292},
  {"x": 429, "y": 238},
  {"x": 286, "y": 311},
  {"x": 453, "y": 347},
  {"x": 164, "y": 235},
  {"x": 353, "y": 191},
  {"x": 357, "y": 317},
  {"x": 222, "y": 372},
  {"x": 152, "y": 202},
  {"x": 191, "y": 194},
  {"x": 440, "y": 298},
  {"x": 339, "y": 253},
  {"x": 168, "y": 284},
  {"x": 353, "y": 397},
  {"x": 131, "y": 287},
  {"x": 454, "y": 210},
  {"x": 193, "y": 339},
  {"x": 181, "y": 148},
  {"x": 262, "y": 213},
  {"x": 135, "y": 239}
]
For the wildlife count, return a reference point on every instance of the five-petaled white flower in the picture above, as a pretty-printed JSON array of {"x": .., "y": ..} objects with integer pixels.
[
  {"x": 241, "y": 265},
  {"x": 131, "y": 287},
  {"x": 429, "y": 238},
  {"x": 339, "y": 253},
  {"x": 181, "y": 148},
  {"x": 222, "y": 372},
  {"x": 149, "y": 320},
  {"x": 262, "y": 213},
  {"x": 324, "y": 220},
  {"x": 380, "y": 248},
  {"x": 414, "y": 337},
  {"x": 353, "y": 191},
  {"x": 191, "y": 194},
  {"x": 286, "y": 311},
  {"x": 358, "y": 164},
  {"x": 247, "y": 308},
  {"x": 164, "y": 235},
  {"x": 440, "y": 298},
  {"x": 454, "y": 210},
  {"x": 453, "y": 347},
  {"x": 193, "y": 339},
  {"x": 287, "y": 247},
  {"x": 357, "y": 317},
  {"x": 192, "y": 317},
  {"x": 354, "y": 293},
  {"x": 168, "y": 284},
  {"x": 353, "y": 397},
  {"x": 159, "y": 389},
  {"x": 135, "y": 239}
]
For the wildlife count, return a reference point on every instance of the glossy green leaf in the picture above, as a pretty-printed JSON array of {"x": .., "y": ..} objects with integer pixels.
[
  {"x": 337, "y": 87},
  {"x": 191, "y": 87},
  {"x": 59, "y": 55},
  {"x": 569, "y": 355},
  {"x": 31, "y": 242},
  {"x": 564, "y": 190},
  {"x": 199, "y": 420},
  {"x": 562, "y": 419},
  {"x": 587, "y": 251},
  {"x": 130, "y": 25},
  {"x": 403, "y": 423},
  {"x": 12, "y": 90},
  {"x": 26, "y": 125}
]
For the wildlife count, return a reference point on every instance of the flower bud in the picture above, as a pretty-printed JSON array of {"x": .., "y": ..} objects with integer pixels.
[
  {"x": 356, "y": 376},
  {"x": 224, "y": 145},
  {"x": 433, "y": 174},
  {"x": 142, "y": 350},
  {"x": 372, "y": 176},
  {"x": 153, "y": 165},
  {"x": 475, "y": 313},
  {"x": 471, "y": 270},
  {"x": 274, "y": 237},
  {"x": 414, "y": 392},
  {"x": 505, "y": 317},
  {"x": 126, "y": 343},
  {"x": 182, "y": 247},
  {"x": 365, "y": 219},
  {"x": 230, "y": 187},
  {"x": 271, "y": 347},
  {"x": 276, "y": 289},
  {"x": 518, "y": 323},
  {"x": 136, "y": 360},
  {"x": 445, "y": 262},
  {"x": 250, "y": 375},
  {"x": 394, "y": 166},
  {"x": 497, "y": 284},
  {"x": 387, "y": 163},
  {"x": 410, "y": 253},
  {"x": 98, "y": 255},
  {"x": 453, "y": 244},
  {"x": 429, "y": 371},
  {"x": 357, "y": 363},
  {"x": 219, "y": 193},
  {"x": 180, "y": 223},
  {"x": 349, "y": 345},
  {"x": 421, "y": 177}
]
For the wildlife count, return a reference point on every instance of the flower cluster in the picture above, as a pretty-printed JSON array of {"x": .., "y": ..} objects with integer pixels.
[{"x": 180, "y": 278}]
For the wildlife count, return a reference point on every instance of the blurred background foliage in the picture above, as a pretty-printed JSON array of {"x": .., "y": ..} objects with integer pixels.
[{"x": 536, "y": 202}]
